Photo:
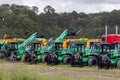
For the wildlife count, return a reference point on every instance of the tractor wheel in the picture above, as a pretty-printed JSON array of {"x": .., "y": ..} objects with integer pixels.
[
  {"x": 48, "y": 60},
  {"x": 44, "y": 58},
  {"x": 56, "y": 62},
  {"x": 2, "y": 56},
  {"x": 106, "y": 66},
  {"x": 67, "y": 60},
  {"x": 33, "y": 61},
  {"x": 12, "y": 57},
  {"x": 80, "y": 62},
  {"x": 72, "y": 64},
  {"x": 100, "y": 66},
  {"x": 23, "y": 58},
  {"x": 118, "y": 64},
  {"x": 92, "y": 62}
]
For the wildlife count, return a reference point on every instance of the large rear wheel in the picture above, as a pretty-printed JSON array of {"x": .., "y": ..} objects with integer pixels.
[{"x": 67, "y": 60}]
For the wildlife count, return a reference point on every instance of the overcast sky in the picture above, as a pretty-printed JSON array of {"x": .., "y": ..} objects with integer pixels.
[{"x": 88, "y": 6}]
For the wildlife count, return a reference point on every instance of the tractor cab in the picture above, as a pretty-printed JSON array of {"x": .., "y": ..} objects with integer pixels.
[
  {"x": 106, "y": 48},
  {"x": 10, "y": 46},
  {"x": 74, "y": 47},
  {"x": 58, "y": 46},
  {"x": 33, "y": 46},
  {"x": 116, "y": 46},
  {"x": 95, "y": 47}
]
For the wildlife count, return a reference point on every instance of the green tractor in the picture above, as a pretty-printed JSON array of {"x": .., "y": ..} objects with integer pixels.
[
  {"x": 95, "y": 49},
  {"x": 33, "y": 52},
  {"x": 74, "y": 54},
  {"x": 8, "y": 50},
  {"x": 14, "y": 50},
  {"x": 105, "y": 58},
  {"x": 108, "y": 56},
  {"x": 86, "y": 53},
  {"x": 54, "y": 53}
]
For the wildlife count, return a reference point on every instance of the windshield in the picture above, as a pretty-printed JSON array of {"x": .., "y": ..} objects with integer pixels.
[
  {"x": 10, "y": 46},
  {"x": 75, "y": 47},
  {"x": 95, "y": 48},
  {"x": 117, "y": 46},
  {"x": 31, "y": 47},
  {"x": 106, "y": 48}
]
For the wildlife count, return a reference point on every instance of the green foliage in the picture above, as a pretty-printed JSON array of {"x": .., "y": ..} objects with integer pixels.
[{"x": 22, "y": 21}]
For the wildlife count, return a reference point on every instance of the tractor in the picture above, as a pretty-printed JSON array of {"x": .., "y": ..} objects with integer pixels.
[
  {"x": 54, "y": 53},
  {"x": 95, "y": 49},
  {"x": 74, "y": 54},
  {"x": 104, "y": 58},
  {"x": 8, "y": 50},
  {"x": 33, "y": 52},
  {"x": 14, "y": 50},
  {"x": 107, "y": 56}
]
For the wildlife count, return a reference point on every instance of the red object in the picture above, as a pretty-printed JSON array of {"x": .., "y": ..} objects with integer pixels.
[{"x": 111, "y": 38}]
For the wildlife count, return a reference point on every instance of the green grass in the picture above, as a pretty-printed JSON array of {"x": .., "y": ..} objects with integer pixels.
[
  {"x": 41, "y": 71},
  {"x": 30, "y": 75}
]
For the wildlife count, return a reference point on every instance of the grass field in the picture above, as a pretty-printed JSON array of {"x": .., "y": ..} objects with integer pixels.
[{"x": 24, "y": 71}]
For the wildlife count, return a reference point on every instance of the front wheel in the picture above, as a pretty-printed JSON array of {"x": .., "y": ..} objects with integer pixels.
[
  {"x": 92, "y": 62},
  {"x": 12, "y": 57},
  {"x": 118, "y": 64},
  {"x": 23, "y": 58},
  {"x": 67, "y": 60},
  {"x": 44, "y": 58},
  {"x": 55, "y": 61},
  {"x": 2, "y": 56}
]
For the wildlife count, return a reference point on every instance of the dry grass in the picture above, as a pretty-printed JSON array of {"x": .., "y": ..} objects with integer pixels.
[{"x": 24, "y": 71}]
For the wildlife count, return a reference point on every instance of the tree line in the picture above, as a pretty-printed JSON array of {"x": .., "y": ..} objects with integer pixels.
[{"x": 22, "y": 21}]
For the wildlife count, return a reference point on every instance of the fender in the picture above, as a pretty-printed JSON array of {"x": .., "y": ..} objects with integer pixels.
[{"x": 69, "y": 54}]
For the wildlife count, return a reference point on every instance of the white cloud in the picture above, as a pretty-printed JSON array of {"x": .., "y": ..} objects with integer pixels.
[
  {"x": 87, "y": 6},
  {"x": 11, "y": 1}
]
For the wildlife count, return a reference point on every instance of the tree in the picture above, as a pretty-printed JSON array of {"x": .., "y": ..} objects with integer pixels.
[
  {"x": 35, "y": 9},
  {"x": 48, "y": 9}
]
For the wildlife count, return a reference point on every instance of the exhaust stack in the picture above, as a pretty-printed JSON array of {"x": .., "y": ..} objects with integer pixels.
[
  {"x": 116, "y": 29},
  {"x": 106, "y": 33}
]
